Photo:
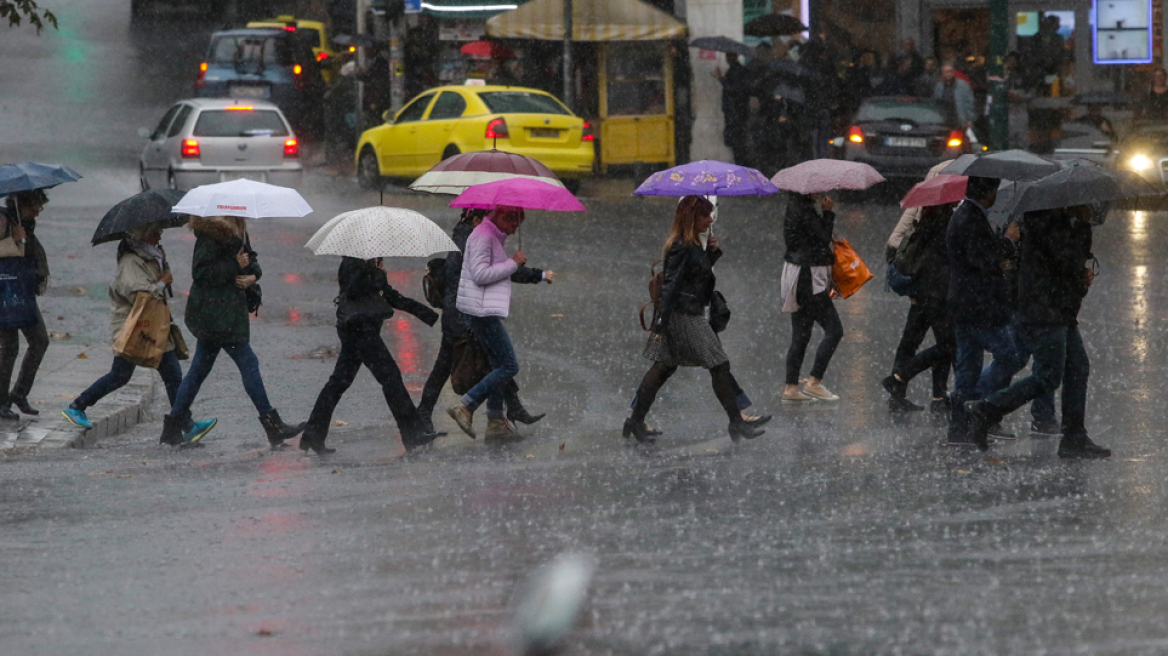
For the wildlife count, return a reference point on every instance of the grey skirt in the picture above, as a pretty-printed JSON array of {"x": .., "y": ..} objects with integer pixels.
[{"x": 688, "y": 342}]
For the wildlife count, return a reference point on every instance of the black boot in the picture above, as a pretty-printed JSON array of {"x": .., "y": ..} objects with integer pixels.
[
  {"x": 7, "y": 413},
  {"x": 22, "y": 403},
  {"x": 744, "y": 430},
  {"x": 277, "y": 430},
  {"x": 637, "y": 428},
  {"x": 172, "y": 431},
  {"x": 520, "y": 414}
]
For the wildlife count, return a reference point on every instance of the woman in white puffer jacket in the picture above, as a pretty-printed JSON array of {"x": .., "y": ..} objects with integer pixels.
[{"x": 484, "y": 296}]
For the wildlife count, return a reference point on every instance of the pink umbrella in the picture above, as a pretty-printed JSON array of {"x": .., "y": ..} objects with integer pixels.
[
  {"x": 938, "y": 190},
  {"x": 820, "y": 175},
  {"x": 519, "y": 192}
]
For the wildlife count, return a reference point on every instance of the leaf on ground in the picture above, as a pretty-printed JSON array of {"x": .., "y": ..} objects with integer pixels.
[
  {"x": 529, "y": 456},
  {"x": 123, "y": 475},
  {"x": 964, "y": 471},
  {"x": 82, "y": 356},
  {"x": 561, "y": 447},
  {"x": 265, "y": 633},
  {"x": 338, "y": 471},
  {"x": 340, "y": 423},
  {"x": 994, "y": 460},
  {"x": 557, "y": 316},
  {"x": 61, "y": 336}
]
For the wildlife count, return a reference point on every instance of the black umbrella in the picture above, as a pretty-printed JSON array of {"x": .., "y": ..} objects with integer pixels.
[
  {"x": 774, "y": 25},
  {"x": 722, "y": 44},
  {"x": 793, "y": 94},
  {"x": 1079, "y": 182},
  {"x": 793, "y": 71},
  {"x": 1006, "y": 165},
  {"x": 147, "y": 207}
]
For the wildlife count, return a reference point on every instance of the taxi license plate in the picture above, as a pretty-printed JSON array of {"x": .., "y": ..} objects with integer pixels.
[
  {"x": 545, "y": 133},
  {"x": 905, "y": 142},
  {"x": 240, "y": 91}
]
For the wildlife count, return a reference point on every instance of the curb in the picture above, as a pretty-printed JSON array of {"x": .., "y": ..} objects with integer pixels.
[{"x": 113, "y": 415}]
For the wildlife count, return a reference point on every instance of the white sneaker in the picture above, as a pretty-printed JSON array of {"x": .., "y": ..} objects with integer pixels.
[
  {"x": 795, "y": 397},
  {"x": 820, "y": 392}
]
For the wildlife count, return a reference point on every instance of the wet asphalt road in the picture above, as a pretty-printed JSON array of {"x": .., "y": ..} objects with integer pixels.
[{"x": 841, "y": 531}]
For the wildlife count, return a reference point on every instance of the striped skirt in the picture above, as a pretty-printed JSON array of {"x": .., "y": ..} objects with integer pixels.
[{"x": 688, "y": 342}]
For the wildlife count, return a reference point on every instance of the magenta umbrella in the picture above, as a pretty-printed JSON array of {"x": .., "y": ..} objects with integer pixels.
[
  {"x": 819, "y": 175},
  {"x": 938, "y": 190},
  {"x": 519, "y": 192}
]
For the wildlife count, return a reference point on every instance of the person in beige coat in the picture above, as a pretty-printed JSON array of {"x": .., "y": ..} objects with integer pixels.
[{"x": 142, "y": 267}]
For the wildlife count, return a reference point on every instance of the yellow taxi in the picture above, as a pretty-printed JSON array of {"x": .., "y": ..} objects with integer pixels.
[
  {"x": 317, "y": 35},
  {"x": 445, "y": 121}
]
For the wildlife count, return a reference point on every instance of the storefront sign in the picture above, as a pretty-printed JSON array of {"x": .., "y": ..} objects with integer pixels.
[
  {"x": 1123, "y": 31},
  {"x": 413, "y": 6}
]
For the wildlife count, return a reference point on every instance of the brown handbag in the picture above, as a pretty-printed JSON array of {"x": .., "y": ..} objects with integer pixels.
[
  {"x": 471, "y": 364},
  {"x": 146, "y": 331}
]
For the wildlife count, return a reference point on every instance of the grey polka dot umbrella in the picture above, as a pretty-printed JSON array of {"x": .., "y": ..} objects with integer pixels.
[{"x": 380, "y": 232}]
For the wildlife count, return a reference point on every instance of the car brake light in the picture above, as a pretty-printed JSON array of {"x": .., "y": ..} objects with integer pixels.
[
  {"x": 855, "y": 134},
  {"x": 291, "y": 148},
  {"x": 239, "y": 108},
  {"x": 955, "y": 139},
  {"x": 497, "y": 129},
  {"x": 201, "y": 76},
  {"x": 321, "y": 56},
  {"x": 289, "y": 28},
  {"x": 190, "y": 149},
  {"x": 586, "y": 133}
]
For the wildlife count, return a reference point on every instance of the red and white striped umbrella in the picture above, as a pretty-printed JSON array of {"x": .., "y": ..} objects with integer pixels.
[
  {"x": 455, "y": 175},
  {"x": 819, "y": 175}
]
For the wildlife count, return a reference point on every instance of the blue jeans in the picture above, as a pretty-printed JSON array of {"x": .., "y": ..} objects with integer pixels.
[
  {"x": 201, "y": 363},
  {"x": 1041, "y": 408},
  {"x": 972, "y": 344},
  {"x": 504, "y": 365},
  {"x": 119, "y": 375},
  {"x": 1059, "y": 359}
]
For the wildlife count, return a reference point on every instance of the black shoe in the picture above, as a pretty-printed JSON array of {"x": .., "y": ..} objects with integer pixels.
[
  {"x": 639, "y": 430},
  {"x": 941, "y": 406},
  {"x": 7, "y": 413},
  {"x": 740, "y": 430},
  {"x": 1082, "y": 447},
  {"x": 960, "y": 438},
  {"x": 761, "y": 421},
  {"x": 277, "y": 430},
  {"x": 999, "y": 433},
  {"x": 522, "y": 416},
  {"x": 316, "y": 444},
  {"x": 903, "y": 405},
  {"x": 22, "y": 403},
  {"x": 979, "y": 423},
  {"x": 172, "y": 431},
  {"x": 428, "y": 427},
  {"x": 1045, "y": 428},
  {"x": 895, "y": 388}
]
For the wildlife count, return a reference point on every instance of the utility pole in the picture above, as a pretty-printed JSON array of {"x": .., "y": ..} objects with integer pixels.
[
  {"x": 999, "y": 93},
  {"x": 360, "y": 65},
  {"x": 569, "y": 87}
]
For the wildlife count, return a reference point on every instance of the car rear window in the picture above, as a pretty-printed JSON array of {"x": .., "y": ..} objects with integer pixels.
[
  {"x": 240, "y": 123},
  {"x": 250, "y": 49},
  {"x": 521, "y": 102},
  {"x": 892, "y": 110}
]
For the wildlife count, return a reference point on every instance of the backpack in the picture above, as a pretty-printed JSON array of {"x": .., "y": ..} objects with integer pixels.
[
  {"x": 910, "y": 254},
  {"x": 898, "y": 282},
  {"x": 656, "y": 282},
  {"x": 434, "y": 282}
]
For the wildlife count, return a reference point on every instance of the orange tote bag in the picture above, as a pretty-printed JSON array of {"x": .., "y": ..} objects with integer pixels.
[{"x": 849, "y": 273}]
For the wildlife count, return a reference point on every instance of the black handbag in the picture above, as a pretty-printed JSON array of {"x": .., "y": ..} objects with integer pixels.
[
  {"x": 254, "y": 295},
  {"x": 367, "y": 309},
  {"x": 719, "y": 312}
]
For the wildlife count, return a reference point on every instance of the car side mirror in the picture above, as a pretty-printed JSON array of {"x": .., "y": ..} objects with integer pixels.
[{"x": 144, "y": 133}]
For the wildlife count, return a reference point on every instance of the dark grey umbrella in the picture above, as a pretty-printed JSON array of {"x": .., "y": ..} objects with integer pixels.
[
  {"x": 774, "y": 25},
  {"x": 722, "y": 44},
  {"x": 1082, "y": 184},
  {"x": 793, "y": 71},
  {"x": 1006, "y": 165},
  {"x": 143, "y": 209}
]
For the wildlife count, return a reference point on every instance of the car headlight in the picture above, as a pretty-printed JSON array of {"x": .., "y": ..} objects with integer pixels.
[{"x": 1139, "y": 163}]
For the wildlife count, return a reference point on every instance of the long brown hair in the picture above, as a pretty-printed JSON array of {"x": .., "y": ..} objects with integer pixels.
[{"x": 685, "y": 221}]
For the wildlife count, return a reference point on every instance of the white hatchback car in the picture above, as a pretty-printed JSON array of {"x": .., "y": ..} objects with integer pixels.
[{"x": 206, "y": 140}]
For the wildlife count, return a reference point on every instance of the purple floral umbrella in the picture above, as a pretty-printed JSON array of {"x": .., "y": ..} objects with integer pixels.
[{"x": 707, "y": 178}]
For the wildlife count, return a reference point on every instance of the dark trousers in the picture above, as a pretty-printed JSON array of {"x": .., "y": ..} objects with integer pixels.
[
  {"x": 972, "y": 344},
  {"x": 364, "y": 346},
  {"x": 820, "y": 309},
  {"x": 1041, "y": 408},
  {"x": 725, "y": 388},
  {"x": 38, "y": 342},
  {"x": 205, "y": 354},
  {"x": 924, "y": 315},
  {"x": 1059, "y": 359},
  {"x": 443, "y": 365},
  {"x": 119, "y": 375}
]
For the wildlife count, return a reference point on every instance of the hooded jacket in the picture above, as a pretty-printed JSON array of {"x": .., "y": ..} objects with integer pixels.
[
  {"x": 217, "y": 310},
  {"x": 453, "y": 324},
  {"x": 484, "y": 289},
  {"x": 978, "y": 295}
]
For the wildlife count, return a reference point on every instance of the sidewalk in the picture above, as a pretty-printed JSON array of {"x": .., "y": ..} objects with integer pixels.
[{"x": 68, "y": 368}]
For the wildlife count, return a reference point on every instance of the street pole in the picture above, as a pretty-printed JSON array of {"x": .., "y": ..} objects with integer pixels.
[
  {"x": 569, "y": 87},
  {"x": 999, "y": 93},
  {"x": 360, "y": 66}
]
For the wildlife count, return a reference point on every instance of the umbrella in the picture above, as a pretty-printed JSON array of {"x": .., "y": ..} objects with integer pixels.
[
  {"x": 359, "y": 40},
  {"x": 143, "y": 209},
  {"x": 794, "y": 71},
  {"x": 455, "y": 175},
  {"x": 27, "y": 176},
  {"x": 774, "y": 25},
  {"x": 1006, "y": 165},
  {"x": 722, "y": 44},
  {"x": 489, "y": 49},
  {"x": 1077, "y": 184},
  {"x": 938, "y": 190},
  {"x": 820, "y": 175},
  {"x": 380, "y": 232},
  {"x": 519, "y": 192},
  {"x": 706, "y": 178},
  {"x": 246, "y": 198}
]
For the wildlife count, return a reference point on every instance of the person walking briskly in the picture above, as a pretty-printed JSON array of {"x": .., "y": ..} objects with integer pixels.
[
  {"x": 681, "y": 334},
  {"x": 361, "y": 344},
  {"x": 736, "y": 90},
  {"x": 807, "y": 292},
  {"x": 223, "y": 267},
  {"x": 454, "y": 327},
  {"x": 1053, "y": 278},
  {"x": 18, "y": 239},
  {"x": 979, "y": 300},
  {"x": 142, "y": 267}
]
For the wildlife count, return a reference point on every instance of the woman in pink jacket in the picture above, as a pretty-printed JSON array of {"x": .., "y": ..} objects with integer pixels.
[{"x": 484, "y": 296}]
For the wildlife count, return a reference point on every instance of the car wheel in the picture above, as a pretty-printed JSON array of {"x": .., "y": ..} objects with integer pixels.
[
  {"x": 142, "y": 181},
  {"x": 368, "y": 172},
  {"x": 451, "y": 151},
  {"x": 171, "y": 183}
]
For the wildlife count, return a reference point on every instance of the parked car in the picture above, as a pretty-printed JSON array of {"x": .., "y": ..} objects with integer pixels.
[
  {"x": 1081, "y": 140},
  {"x": 446, "y": 121},
  {"x": 317, "y": 35},
  {"x": 276, "y": 65},
  {"x": 903, "y": 137},
  {"x": 1145, "y": 151},
  {"x": 206, "y": 140}
]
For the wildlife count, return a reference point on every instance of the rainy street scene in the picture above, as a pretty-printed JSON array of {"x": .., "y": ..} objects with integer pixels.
[{"x": 583, "y": 327}]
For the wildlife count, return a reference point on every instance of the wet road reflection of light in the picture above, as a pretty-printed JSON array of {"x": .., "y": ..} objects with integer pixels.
[{"x": 1139, "y": 307}]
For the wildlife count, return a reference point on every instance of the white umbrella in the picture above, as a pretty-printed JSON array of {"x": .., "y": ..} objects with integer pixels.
[
  {"x": 246, "y": 198},
  {"x": 380, "y": 232}
]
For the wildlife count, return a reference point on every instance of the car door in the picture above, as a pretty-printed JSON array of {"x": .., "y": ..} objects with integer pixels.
[
  {"x": 172, "y": 147},
  {"x": 398, "y": 148},
  {"x": 434, "y": 133},
  {"x": 154, "y": 160}
]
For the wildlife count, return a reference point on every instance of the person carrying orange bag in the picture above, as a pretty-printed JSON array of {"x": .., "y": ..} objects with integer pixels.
[{"x": 849, "y": 272}]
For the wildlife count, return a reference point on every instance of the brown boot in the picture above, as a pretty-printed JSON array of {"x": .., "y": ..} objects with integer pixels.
[{"x": 502, "y": 429}]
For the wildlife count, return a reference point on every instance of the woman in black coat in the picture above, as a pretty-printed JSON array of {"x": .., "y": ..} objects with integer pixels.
[
  {"x": 681, "y": 333},
  {"x": 361, "y": 344},
  {"x": 807, "y": 292}
]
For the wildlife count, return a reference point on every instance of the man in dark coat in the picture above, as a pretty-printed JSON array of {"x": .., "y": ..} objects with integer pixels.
[
  {"x": 978, "y": 300},
  {"x": 736, "y": 89},
  {"x": 1052, "y": 280}
]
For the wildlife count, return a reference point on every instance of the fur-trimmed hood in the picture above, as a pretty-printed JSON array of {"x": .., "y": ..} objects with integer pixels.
[{"x": 222, "y": 229}]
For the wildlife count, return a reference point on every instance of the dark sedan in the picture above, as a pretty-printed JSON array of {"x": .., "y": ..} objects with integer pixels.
[{"x": 903, "y": 137}]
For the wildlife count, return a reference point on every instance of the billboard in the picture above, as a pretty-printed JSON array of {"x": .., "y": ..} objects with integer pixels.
[{"x": 1122, "y": 31}]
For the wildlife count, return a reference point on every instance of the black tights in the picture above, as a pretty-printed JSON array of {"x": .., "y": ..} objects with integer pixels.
[{"x": 724, "y": 388}]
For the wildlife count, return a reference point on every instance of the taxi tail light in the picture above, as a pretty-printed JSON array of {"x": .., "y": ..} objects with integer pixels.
[
  {"x": 199, "y": 79},
  {"x": 956, "y": 139},
  {"x": 321, "y": 56},
  {"x": 299, "y": 82},
  {"x": 291, "y": 149},
  {"x": 586, "y": 134},
  {"x": 855, "y": 135},
  {"x": 190, "y": 149},
  {"x": 290, "y": 27},
  {"x": 497, "y": 129}
]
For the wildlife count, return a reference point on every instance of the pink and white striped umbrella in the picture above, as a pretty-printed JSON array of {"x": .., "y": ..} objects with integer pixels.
[
  {"x": 819, "y": 175},
  {"x": 455, "y": 175}
]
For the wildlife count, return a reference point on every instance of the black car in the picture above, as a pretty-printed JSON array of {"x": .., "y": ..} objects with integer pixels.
[{"x": 903, "y": 137}]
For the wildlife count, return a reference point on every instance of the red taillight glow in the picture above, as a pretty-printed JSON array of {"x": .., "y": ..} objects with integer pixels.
[
  {"x": 239, "y": 108},
  {"x": 855, "y": 134},
  {"x": 955, "y": 139},
  {"x": 321, "y": 56},
  {"x": 497, "y": 129},
  {"x": 190, "y": 149},
  {"x": 289, "y": 28},
  {"x": 291, "y": 148},
  {"x": 586, "y": 133},
  {"x": 202, "y": 74}
]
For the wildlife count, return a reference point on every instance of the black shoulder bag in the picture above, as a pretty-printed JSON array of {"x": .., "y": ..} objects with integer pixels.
[
  {"x": 371, "y": 308},
  {"x": 254, "y": 295}
]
